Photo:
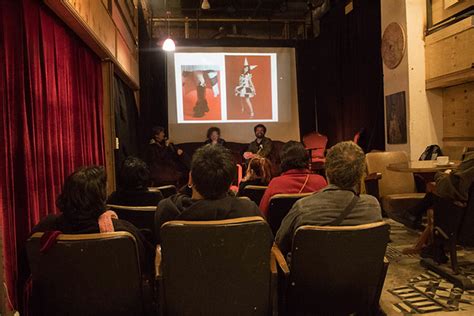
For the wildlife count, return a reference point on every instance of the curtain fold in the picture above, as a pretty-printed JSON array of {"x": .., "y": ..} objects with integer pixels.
[{"x": 51, "y": 101}]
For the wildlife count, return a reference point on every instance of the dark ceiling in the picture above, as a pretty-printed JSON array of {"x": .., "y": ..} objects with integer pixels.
[
  {"x": 284, "y": 19},
  {"x": 290, "y": 9}
]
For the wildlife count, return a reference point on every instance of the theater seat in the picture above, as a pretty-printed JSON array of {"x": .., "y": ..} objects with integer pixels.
[
  {"x": 143, "y": 217},
  {"x": 280, "y": 205},
  {"x": 337, "y": 270},
  {"x": 166, "y": 190},
  {"x": 90, "y": 274},
  {"x": 396, "y": 191},
  {"x": 254, "y": 192},
  {"x": 316, "y": 144},
  {"x": 217, "y": 268}
]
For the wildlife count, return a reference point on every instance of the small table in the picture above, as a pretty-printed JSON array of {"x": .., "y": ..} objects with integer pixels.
[{"x": 422, "y": 166}]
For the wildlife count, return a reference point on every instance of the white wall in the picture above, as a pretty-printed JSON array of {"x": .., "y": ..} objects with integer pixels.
[{"x": 424, "y": 108}]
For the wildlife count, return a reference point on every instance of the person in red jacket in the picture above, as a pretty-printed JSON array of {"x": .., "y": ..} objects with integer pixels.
[{"x": 295, "y": 177}]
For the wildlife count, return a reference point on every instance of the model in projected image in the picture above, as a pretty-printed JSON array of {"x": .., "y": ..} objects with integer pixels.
[
  {"x": 201, "y": 75},
  {"x": 246, "y": 90}
]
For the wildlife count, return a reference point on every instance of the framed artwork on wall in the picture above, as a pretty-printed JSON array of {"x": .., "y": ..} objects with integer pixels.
[{"x": 396, "y": 118}]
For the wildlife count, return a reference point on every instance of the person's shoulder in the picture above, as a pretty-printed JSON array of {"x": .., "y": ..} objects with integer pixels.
[
  {"x": 369, "y": 200},
  {"x": 47, "y": 223},
  {"x": 244, "y": 205}
]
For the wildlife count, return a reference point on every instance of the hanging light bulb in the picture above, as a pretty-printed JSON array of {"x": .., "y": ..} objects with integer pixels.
[
  {"x": 205, "y": 5},
  {"x": 168, "y": 45}
]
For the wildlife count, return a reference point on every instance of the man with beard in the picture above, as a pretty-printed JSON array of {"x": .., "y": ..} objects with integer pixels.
[{"x": 261, "y": 146}]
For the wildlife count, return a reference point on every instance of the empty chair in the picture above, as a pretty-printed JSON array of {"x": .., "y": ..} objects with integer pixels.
[
  {"x": 337, "y": 270},
  {"x": 91, "y": 274},
  {"x": 143, "y": 217},
  {"x": 396, "y": 191},
  {"x": 254, "y": 192},
  {"x": 316, "y": 143},
  {"x": 280, "y": 205},
  {"x": 217, "y": 267},
  {"x": 166, "y": 190}
]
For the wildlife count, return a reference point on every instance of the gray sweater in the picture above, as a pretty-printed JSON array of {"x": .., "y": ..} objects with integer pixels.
[{"x": 323, "y": 207}]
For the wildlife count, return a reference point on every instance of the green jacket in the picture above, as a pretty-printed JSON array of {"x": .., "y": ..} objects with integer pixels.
[
  {"x": 263, "y": 149},
  {"x": 456, "y": 185}
]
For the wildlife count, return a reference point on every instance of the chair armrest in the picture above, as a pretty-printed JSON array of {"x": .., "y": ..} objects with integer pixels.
[
  {"x": 280, "y": 259},
  {"x": 372, "y": 184},
  {"x": 158, "y": 263}
]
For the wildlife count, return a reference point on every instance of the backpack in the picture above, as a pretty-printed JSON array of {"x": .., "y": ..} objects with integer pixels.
[{"x": 431, "y": 153}]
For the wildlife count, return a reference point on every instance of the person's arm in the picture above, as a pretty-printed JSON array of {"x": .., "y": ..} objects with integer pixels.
[
  {"x": 285, "y": 233},
  {"x": 267, "y": 148},
  {"x": 165, "y": 212}
]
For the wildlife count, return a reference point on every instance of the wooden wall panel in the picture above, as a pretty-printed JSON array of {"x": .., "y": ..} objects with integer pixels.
[
  {"x": 452, "y": 52},
  {"x": 458, "y": 113},
  {"x": 440, "y": 13}
]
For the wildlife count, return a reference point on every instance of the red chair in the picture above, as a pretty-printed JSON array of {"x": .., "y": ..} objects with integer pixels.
[{"x": 316, "y": 143}]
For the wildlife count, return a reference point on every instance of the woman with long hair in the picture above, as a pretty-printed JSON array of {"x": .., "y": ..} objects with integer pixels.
[{"x": 259, "y": 172}]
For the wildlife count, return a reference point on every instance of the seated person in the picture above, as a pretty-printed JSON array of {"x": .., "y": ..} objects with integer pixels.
[
  {"x": 452, "y": 185},
  {"x": 295, "y": 176},
  {"x": 259, "y": 172},
  {"x": 261, "y": 146},
  {"x": 212, "y": 172},
  {"x": 214, "y": 137},
  {"x": 345, "y": 165},
  {"x": 134, "y": 179},
  {"x": 82, "y": 206},
  {"x": 168, "y": 164}
]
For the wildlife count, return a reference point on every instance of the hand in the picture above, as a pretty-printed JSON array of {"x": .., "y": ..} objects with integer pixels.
[
  {"x": 448, "y": 171},
  {"x": 248, "y": 155},
  {"x": 105, "y": 221},
  {"x": 167, "y": 142},
  {"x": 179, "y": 152}
]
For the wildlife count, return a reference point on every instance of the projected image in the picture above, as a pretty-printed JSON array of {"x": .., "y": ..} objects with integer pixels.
[
  {"x": 201, "y": 93},
  {"x": 249, "y": 87},
  {"x": 225, "y": 87}
]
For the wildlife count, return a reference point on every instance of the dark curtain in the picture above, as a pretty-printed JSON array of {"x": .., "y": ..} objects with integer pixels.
[
  {"x": 51, "y": 101},
  {"x": 126, "y": 119},
  {"x": 153, "y": 85},
  {"x": 340, "y": 79}
]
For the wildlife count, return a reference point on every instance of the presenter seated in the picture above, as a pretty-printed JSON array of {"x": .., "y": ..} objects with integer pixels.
[
  {"x": 212, "y": 172},
  {"x": 261, "y": 146},
  {"x": 214, "y": 137},
  {"x": 168, "y": 164},
  {"x": 337, "y": 204},
  {"x": 295, "y": 177}
]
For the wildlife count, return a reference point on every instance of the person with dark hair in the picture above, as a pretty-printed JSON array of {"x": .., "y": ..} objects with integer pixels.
[
  {"x": 83, "y": 211},
  {"x": 259, "y": 172},
  {"x": 261, "y": 146},
  {"x": 345, "y": 165},
  {"x": 168, "y": 164},
  {"x": 295, "y": 177},
  {"x": 213, "y": 136},
  {"x": 212, "y": 173},
  {"x": 134, "y": 179}
]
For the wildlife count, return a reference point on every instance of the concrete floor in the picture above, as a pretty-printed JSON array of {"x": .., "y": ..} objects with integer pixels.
[{"x": 402, "y": 268}]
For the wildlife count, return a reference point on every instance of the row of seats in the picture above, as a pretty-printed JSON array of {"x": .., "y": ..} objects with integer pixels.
[{"x": 228, "y": 267}]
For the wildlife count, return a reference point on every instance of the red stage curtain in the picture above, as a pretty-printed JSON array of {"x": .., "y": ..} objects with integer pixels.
[{"x": 51, "y": 101}]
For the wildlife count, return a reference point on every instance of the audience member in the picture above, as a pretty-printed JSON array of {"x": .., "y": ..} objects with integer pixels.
[
  {"x": 261, "y": 146},
  {"x": 82, "y": 206},
  {"x": 134, "y": 179},
  {"x": 259, "y": 172},
  {"x": 452, "y": 185},
  {"x": 295, "y": 177},
  {"x": 168, "y": 164},
  {"x": 212, "y": 172},
  {"x": 214, "y": 137},
  {"x": 337, "y": 204}
]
